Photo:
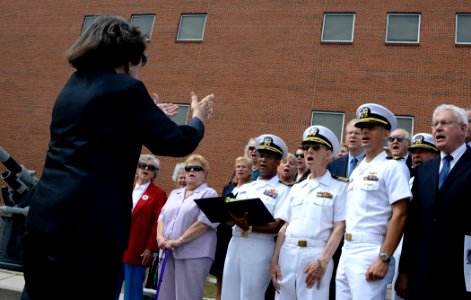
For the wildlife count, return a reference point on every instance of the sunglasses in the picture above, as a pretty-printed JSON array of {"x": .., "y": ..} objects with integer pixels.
[
  {"x": 400, "y": 139},
  {"x": 194, "y": 168},
  {"x": 314, "y": 146},
  {"x": 144, "y": 59},
  {"x": 299, "y": 155},
  {"x": 251, "y": 148},
  {"x": 148, "y": 166}
]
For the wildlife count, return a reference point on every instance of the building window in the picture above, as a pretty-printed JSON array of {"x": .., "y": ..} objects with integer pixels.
[
  {"x": 338, "y": 28},
  {"x": 403, "y": 28},
  {"x": 87, "y": 21},
  {"x": 463, "y": 29},
  {"x": 145, "y": 23},
  {"x": 191, "y": 27},
  {"x": 333, "y": 121},
  {"x": 182, "y": 117},
  {"x": 406, "y": 123}
]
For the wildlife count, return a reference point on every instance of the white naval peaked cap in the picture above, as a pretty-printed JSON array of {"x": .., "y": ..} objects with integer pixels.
[
  {"x": 373, "y": 113},
  {"x": 322, "y": 135},
  {"x": 423, "y": 141},
  {"x": 272, "y": 143}
]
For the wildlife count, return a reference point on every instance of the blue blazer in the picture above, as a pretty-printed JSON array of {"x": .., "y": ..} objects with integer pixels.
[
  {"x": 100, "y": 122},
  {"x": 433, "y": 248},
  {"x": 339, "y": 166}
]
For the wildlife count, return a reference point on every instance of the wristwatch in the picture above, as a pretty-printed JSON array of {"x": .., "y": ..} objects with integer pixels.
[
  {"x": 384, "y": 257},
  {"x": 322, "y": 263}
]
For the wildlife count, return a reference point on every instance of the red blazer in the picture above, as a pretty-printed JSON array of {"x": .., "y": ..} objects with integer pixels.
[{"x": 143, "y": 233}]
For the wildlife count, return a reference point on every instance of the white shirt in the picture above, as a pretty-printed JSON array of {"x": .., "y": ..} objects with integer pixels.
[
  {"x": 374, "y": 186},
  {"x": 456, "y": 156},
  {"x": 272, "y": 192},
  {"x": 314, "y": 206},
  {"x": 137, "y": 193}
]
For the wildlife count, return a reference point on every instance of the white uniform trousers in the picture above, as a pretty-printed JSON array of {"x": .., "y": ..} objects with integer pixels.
[
  {"x": 292, "y": 261},
  {"x": 247, "y": 268},
  {"x": 351, "y": 282}
]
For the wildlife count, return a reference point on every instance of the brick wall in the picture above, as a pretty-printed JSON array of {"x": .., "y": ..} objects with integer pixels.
[{"x": 262, "y": 59}]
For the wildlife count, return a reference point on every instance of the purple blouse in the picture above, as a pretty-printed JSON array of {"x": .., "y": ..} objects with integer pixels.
[{"x": 179, "y": 213}]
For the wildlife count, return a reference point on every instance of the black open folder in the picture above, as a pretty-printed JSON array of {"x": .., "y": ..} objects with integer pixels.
[{"x": 217, "y": 209}]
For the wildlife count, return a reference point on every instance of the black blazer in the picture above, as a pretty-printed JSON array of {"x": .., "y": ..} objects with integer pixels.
[
  {"x": 433, "y": 247},
  {"x": 100, "y": 122}
]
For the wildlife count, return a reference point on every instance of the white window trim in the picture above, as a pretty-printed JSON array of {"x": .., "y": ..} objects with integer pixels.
[
  {"x": 338, "y": 41},
  {"x": 413, "y": 123},
  {"x": 456, "y": 30},
  {"x": 204, "y": 27},
  {"x": 402, "y": 42},
  {"x": 153, "y": 23}
]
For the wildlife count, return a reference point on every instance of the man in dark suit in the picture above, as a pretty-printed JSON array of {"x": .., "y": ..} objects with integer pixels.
[
  {"x": 431, "y": 265},
  {"x": 343, "y": 166}
]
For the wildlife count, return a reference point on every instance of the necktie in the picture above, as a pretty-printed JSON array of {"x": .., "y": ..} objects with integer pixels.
[
  {"x": 445, "y": 170},
  {"x": 353, "y": 164}
]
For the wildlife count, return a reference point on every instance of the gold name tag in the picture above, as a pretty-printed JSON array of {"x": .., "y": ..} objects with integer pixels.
[
  {"x": 348, "y": 236},
  {"x": 244, "y": 234},
  {"x": 302, "y": 243}
]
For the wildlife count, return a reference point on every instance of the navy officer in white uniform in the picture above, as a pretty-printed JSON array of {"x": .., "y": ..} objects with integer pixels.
[
  {"x": 247, "y": 265},
  {"x": 377, "y": 202},
  {"x": 302, "y": 265}
]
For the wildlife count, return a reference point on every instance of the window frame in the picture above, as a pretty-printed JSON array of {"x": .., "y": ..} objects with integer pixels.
[
  {"x": 342, "y": 126},
  {"x": 175, "y": 118},
  {"x": 179, "y": 39},
  {"x": 85, "y": 24},
  {"x": 456, "y": 29},
  {"x": 403, "y": 42},
  {"x": 327, "y": 41},
  {"x": 149, "y": 37}
]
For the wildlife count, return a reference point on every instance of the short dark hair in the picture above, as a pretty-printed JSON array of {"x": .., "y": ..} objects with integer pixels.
[{"x": 110, "y": 42}]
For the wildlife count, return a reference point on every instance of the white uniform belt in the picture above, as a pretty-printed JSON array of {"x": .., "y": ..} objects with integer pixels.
[
  {"x": 304, "y": 242},
  {"x": 364, "y": 237}
]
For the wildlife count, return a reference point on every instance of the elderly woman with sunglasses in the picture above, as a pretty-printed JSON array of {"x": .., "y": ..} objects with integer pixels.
[
  {"x": 148, "y": 200},
  {"x": 186, "y": 231}
]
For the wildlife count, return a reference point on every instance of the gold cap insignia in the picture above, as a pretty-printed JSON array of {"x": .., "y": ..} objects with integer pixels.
[
  {"x": 365, "y": 112},
  {"x": 267, "y": 141},
  {"x": 313, "y": 132},
  {"x": 419, "y": 139}
]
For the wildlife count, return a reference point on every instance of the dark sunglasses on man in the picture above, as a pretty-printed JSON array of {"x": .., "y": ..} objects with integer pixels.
[
  {"x": 314, "y": 146},
  {"x": 400, "y": 139}
]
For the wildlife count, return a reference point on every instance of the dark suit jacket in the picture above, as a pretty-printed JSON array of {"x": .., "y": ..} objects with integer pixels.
[
  {"x": 144, "y": 224},
  {"x": 339, "y": 166},
  {"x": 100, "y": 121},
  {"x": 433, "y": 247}
]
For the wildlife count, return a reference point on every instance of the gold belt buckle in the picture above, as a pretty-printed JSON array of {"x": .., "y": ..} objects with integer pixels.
[
  {"x": 348, "y": 236},
  {"x": 302, "y": 243},
  {"x": 244, "y": 234}
]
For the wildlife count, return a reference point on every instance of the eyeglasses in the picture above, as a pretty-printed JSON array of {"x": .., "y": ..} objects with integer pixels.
[
  {"x": 193, "y": 168},
  {"x": 314, "y": 146},
  {"x": 300, "y": 155},
  {"x": 400, "y": 139},
  {"x": 251, "y": 148},
  {"x": 144, "y": 59},
  {"x": 148, "y": 166},
  {"x": 443, "y": 123}
]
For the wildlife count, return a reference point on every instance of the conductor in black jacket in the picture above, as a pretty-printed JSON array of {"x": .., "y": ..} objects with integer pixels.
[{"x": 80, "y": 212}]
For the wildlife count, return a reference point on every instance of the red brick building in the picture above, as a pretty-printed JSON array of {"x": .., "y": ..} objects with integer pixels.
[{"x": 264, "y": 60}]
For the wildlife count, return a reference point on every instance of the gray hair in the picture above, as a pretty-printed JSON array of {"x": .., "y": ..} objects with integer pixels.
[
  {"x": 457, "y": 112},
  {"x": 149, "y": 157},
  {"x": 179, "y": 167}
]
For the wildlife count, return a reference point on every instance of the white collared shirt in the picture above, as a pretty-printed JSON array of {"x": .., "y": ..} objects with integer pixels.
[
  {"x": 137, "y": 193},
  {"x": 456, "y": 156}
]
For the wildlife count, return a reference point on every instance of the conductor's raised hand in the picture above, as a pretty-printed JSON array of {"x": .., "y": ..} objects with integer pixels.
[
  {"x": 202, "y": 109},
  {"x": 169, "y": 109}
]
